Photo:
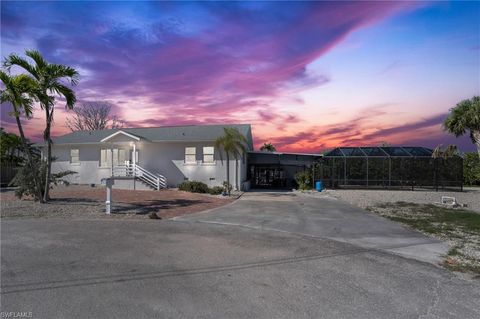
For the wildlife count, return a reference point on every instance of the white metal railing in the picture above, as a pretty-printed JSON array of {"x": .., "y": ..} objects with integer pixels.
[{"x": 154, "y": 180}]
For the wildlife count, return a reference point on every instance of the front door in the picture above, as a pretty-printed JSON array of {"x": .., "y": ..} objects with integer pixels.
[{"x": 269, "y": 177}]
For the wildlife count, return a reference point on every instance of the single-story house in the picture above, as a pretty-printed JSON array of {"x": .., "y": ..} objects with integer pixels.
[
  {"x": 150, "y": 158},
  {"x": 160, "y": 157}
]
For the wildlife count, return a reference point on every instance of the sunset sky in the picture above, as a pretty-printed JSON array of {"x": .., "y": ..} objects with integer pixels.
[{"x": 306, "y": 75}]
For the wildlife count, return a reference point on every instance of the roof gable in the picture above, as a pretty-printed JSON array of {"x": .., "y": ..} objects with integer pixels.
[{"x": 118, "y": 133}]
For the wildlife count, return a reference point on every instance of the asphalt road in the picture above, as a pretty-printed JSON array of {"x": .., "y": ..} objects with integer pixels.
[{"x": 265, "y": 256}]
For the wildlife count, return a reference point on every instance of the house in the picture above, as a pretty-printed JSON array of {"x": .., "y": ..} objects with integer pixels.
[{"x": 150, "y": 158}]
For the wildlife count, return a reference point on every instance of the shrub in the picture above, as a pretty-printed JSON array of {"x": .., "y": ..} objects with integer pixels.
[
  {"x": 227, "y": 187},
  {"x": 471, "y": 169},
  {"x": 193, "y": 187},
  {"x": 25, "y": 179},
  {"x": 304, "y": 179},
  {"x": 216, "y": 190}
]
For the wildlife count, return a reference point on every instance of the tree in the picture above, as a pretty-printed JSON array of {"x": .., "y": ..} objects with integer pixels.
[
  {"x": 268, "y": 147},
  {"x": 20, "y": 92},
  {"x": 471, "y": 168},
  {"x": 232, "y": 143},
  {"x": 11, "y": 147},
  {"x": 50, "y": 79},
  {"x": 465, "y": 116},
  {"x": 93, "y": 116},
  {"x": 450, "y": 151}
]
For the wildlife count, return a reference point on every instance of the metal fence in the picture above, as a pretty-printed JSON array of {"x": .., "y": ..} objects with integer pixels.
[
  {"x": 7, "y": 173},
  {"x": 389, "y": 168}
]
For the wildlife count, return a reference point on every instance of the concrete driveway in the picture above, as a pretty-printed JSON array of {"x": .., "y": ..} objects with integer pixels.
[
  {"x": 265, "y": 256},
  {"x": 323, "y": 217}
]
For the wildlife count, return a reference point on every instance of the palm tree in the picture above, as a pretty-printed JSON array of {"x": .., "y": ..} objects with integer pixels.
[
  {"x": 20, "y": 93},
  {"x": 232, "y": 143},
  {"x": 268, "y": 147},
  {"x": 465, "y": 116},
  {"x": 49, "y": 78}
]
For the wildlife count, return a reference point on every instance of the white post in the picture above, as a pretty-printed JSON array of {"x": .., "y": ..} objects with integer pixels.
[
  {"x": 108, "y": 203},
  {"x": 111, "y": 156},
  {"x": 134, "y": 156}
]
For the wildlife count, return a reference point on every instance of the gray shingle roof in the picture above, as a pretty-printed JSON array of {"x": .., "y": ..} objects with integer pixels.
[{"x": 165, "y": 133}]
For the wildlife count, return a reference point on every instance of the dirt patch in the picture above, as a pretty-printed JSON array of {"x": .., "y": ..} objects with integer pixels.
[{"x": 78, "y": 201}]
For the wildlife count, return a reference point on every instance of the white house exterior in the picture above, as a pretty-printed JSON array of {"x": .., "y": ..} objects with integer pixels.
[{"x": 165, "y": 156}]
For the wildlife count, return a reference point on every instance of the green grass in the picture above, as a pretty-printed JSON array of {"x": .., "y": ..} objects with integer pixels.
[
  {"x": 434, "y": 219},
  {"x": 456, "y": 225}
]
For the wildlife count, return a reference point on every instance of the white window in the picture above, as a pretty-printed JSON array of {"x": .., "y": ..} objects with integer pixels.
[
  {"x": 208, "y": 154},
  {"x": 104, "y": 157},
  {"x": 190, "y": 155},
  {"x": 119, "y": 156},
  {"x": 74, "y": 156}
]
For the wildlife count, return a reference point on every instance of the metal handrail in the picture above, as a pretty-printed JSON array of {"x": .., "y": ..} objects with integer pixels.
[{"x": 154, "y": 180}]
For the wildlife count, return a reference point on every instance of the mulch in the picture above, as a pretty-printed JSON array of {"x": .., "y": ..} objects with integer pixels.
[{"x": 75, "y": 199}]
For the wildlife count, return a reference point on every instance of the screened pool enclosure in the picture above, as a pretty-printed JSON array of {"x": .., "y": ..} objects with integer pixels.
[{"x": 388, "y": 167}]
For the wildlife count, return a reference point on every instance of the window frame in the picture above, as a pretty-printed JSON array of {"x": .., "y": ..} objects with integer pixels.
[
  {"x": 77, "y": 156},
  {"x": 187, "y": 153},
  {"x": 106, "y": 163},
  {"x": 115, "y": 157},
  {"x": 212, "y": 154}
]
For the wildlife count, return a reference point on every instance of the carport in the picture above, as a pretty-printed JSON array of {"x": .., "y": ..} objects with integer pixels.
[{"x": 277, "y": 170}]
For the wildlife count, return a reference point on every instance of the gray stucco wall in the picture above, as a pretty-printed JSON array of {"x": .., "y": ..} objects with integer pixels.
[{"x": 164, "y": 158}]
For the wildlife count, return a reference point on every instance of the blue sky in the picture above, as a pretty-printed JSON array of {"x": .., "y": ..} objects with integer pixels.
[{"x": 307, "y": 75}]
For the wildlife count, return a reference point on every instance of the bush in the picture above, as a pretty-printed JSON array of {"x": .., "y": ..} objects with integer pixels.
[
  {"x": 25, "y": 179},
  {"x": 227, "y": 187},
  {"x": 216, "y": 190},
  {"x": 304, "y": 179},
  {"x": 471, "y": 169},
  {"x": 193, "y": 187}
]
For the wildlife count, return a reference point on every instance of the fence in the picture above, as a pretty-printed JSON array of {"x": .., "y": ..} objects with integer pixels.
[
  {"x": 338, "y": 170},
  {"x": 7, "y": 173}
]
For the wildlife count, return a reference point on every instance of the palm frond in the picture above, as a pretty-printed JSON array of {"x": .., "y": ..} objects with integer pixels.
[
  {"x": 15, "y": 60},
  {"x": 58, "y": 71},
  {"x": 66, "y": 92},
  {"x": 18, "y": 90},
  {"x": 36, "y": 56}
]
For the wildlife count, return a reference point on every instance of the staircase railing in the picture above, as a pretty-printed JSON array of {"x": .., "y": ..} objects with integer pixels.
[{"x": 154, "y": 180}]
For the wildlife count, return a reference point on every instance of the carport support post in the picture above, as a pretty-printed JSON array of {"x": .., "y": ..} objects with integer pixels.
[{"x": 313, "y": 175}]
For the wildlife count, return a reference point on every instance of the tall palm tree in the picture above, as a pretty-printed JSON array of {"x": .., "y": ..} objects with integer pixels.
[
  {"x": 20, "y": 91},
  {"x": 50, "y": 78},
  {"x": 232, "y": 143},
  {"x": 465, "y": 116}
]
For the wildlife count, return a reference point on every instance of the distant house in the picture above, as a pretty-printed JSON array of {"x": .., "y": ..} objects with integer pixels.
[{"x": 150, "y": 158}]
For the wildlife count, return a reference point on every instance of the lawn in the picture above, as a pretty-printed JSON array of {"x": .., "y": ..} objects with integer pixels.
[{"x": 459, "y": 227}]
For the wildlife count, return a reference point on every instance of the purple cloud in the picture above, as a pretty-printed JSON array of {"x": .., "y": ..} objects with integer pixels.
[{"x": 194, "y": 58}]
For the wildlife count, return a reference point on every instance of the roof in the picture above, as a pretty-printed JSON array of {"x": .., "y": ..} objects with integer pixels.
[
  {"x": 380, "y": 151},
  {"x": 284, "y": 153},
  {"x": 187, "y": 133}
]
